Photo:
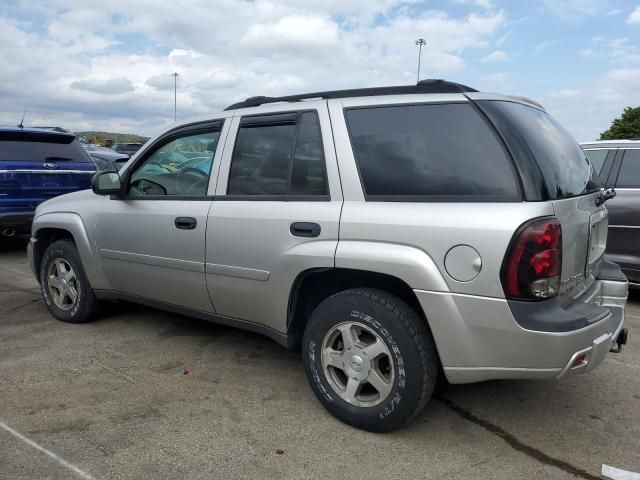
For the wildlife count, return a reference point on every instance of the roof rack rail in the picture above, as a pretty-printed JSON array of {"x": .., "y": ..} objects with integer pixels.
[{"x": 423, "y": 86}]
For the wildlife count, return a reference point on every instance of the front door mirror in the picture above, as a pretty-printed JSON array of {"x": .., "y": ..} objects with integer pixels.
[{"x": 106, "y": 183}]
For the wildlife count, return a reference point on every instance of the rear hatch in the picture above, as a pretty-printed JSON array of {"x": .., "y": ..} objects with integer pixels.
[
  {"x": 38, "y": 165},
  {"x": 567, "y": 177}
]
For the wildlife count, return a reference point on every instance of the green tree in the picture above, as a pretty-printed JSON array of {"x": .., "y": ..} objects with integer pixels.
[{"x": 626, "y": 126}]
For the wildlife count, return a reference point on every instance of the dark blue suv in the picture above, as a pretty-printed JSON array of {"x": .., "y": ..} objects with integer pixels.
[{"x": 36, "y": 165}]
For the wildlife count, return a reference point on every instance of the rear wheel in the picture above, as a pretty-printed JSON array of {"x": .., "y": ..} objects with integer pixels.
[
  {"x": 370, "y": 359},
  {"x": 64, "y": 284}
]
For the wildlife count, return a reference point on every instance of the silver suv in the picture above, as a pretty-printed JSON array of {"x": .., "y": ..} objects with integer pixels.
[{"x": 394, "y": 235}]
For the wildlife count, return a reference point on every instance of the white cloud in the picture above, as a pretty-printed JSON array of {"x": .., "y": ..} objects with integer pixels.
[
  {"x": 107, "y": 86},
  {"x": 634, "y": 17},
  {"x": 496, "y": 56},
  {"x": 495, "y": 79},
  {"x": 589, "y": 111},
  {"x": 575, "y": 11},
  {"x": 293, "y": 31},
  {"x": 615, "y": 11},
  {"x": 541, "y": 47},
  {"x": 619, "y": 51},
  {"x": 109, "y": 67},
  {"x": 625, "y": 77},
  {"x": 567, "y": 93},
  {"x": 478, "y": 3}
]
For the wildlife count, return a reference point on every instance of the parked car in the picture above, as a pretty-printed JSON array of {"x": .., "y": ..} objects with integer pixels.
[
  {"x": 128, "y": 148},
  {"x": 389, "y": 233},
  {"x": 617, "y": 164},
  {"x": 105, "y": 158},
  {"x": 36, "y": 165}
]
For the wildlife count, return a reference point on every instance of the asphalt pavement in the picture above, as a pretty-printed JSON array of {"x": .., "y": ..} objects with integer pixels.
[{"x": 111, "y": 400}]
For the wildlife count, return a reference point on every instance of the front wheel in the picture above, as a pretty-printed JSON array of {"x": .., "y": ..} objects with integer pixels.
[
  {"x": 370, "y": 359},
  {"x": 65, "y": 287}
]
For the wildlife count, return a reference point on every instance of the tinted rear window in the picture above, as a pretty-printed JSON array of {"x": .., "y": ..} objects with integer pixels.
[
  {"x": 41, "y": 151},
  {"x": 564, "y": 165},
  {"x": 433, "y": 152}
]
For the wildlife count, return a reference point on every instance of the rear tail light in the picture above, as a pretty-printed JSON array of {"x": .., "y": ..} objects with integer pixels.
[{"x": 531, "y": 269}]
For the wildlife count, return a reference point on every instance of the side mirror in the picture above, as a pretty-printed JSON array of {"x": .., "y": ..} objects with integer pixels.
[{"x": 106, "y": 183}]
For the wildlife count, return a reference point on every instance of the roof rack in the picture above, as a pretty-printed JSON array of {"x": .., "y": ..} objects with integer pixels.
[{"x": 423, "y": 86}]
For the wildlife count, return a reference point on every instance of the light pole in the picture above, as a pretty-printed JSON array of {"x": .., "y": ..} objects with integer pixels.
[
  {"x": 420, "y": 42},
  {"x": 175, "y": 76}
]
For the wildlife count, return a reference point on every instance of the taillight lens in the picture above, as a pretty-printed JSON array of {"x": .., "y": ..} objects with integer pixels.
[{"x": 531, "y": 269}]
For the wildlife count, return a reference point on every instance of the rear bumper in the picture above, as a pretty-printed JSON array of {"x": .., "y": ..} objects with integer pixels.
[
  {"x": 20, "y": 221},
  {"x": 479, "y": 339}
]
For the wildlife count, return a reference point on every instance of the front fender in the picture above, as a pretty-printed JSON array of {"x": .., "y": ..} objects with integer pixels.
[
  {"x": 409, "y": 264},
  {"x": 72, "y": 223}
]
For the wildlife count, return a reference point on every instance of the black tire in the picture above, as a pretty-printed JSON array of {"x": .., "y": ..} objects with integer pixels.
[
  {"x": 84, "y": 307},
  {"x": 404, "y": 333}
]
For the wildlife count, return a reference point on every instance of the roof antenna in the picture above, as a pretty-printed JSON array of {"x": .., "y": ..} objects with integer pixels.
[{"x": 22, "y": 120}]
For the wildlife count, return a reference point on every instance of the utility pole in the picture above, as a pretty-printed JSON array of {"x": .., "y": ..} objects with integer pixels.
[
  {"x": 420, "y": 43},
  {"x": 175, "y": 76}
]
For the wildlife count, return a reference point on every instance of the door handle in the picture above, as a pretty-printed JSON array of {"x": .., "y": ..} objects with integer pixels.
[
  {"x": 186, "y": 223},
  {"x": 305, "y": 229}
]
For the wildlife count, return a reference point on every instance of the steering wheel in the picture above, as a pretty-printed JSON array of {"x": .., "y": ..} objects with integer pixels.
[
  {"x": 194, "y": 170},
  {"x": 199, "y": 183}
]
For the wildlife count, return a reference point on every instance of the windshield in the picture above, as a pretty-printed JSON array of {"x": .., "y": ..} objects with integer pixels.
[{"x": 564, "y": 165}]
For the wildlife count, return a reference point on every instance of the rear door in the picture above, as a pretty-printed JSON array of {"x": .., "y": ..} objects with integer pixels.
[
  {"x": 37, "y": 166},
  {"x": 276, "y": 211},
  {"x": 623, "y": 246}
]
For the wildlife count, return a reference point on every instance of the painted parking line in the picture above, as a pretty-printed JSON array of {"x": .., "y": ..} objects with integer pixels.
[
  {"x": 48, "y": 453},
  {"x": 618, "y": 474}
]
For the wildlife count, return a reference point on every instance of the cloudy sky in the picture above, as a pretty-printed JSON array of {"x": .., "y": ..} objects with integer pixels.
[{"x": 107, "y": 65}]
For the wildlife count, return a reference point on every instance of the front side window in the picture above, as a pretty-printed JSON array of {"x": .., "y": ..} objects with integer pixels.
[
  {"x": 181, "y": 166},
  {"x": 629, "y": 176},
  {"x": 430, "y": 151},
  {"x": 278, "y": 157}
]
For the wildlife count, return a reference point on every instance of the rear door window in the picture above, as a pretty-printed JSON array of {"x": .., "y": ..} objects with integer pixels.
[
  {"x": 629, "y": 176},
  {"x": 278, "y": 155},
  {"x": 437, "y": 152}
]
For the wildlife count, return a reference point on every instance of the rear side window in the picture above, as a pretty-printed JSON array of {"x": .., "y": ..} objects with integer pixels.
[
  {"x": 433, "y": 152},
  {"x": 283, "y": 156},
  {"x": 629, "y": 176},
  {"x": 564, "y": 165},
  {"x": 42, "y": 151}
]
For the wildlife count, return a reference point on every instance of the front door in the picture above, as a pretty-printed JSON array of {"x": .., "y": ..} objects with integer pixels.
[
  {"x": 276, "y": 212},
  {"x": 151, "y": 241}
]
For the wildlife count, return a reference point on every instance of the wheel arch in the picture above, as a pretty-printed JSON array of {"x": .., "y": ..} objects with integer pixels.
[
  {"x": 51, "y": 227},
  {"x": 314, "y": 285}
]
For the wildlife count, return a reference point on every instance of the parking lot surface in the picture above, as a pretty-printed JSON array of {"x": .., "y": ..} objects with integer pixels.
[{"x": 110, "y": 399}]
